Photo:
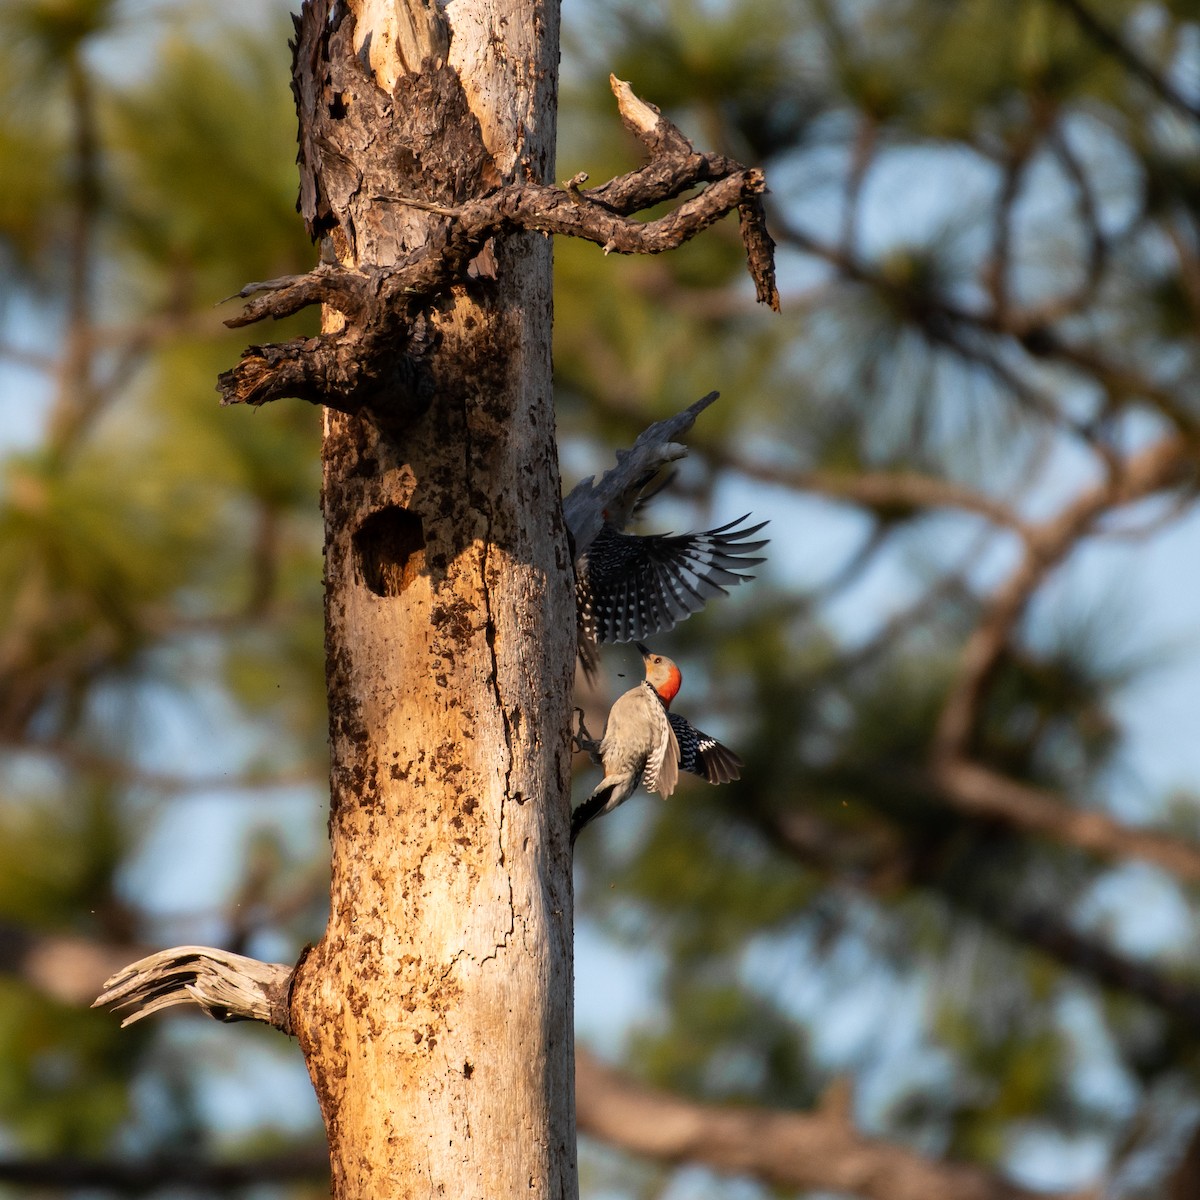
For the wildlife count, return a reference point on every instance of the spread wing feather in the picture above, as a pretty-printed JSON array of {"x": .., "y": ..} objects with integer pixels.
[{"x": 640, "y": 586}]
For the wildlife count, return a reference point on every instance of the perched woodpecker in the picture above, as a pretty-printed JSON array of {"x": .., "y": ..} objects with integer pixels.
[
  {"x": 644, "y": 742},
  {"x": 630, "y": 587}
]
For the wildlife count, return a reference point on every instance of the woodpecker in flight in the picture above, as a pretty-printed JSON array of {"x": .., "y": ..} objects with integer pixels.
[
  {"x": 644, "y": 742},
  {"x": 629, "y": 586}
]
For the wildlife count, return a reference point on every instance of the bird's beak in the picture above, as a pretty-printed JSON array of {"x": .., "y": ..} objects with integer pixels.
[{"x": 644, "y": 651}]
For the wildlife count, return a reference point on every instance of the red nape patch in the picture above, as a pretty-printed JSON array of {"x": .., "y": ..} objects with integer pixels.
[{"x": 670, "y": 689}]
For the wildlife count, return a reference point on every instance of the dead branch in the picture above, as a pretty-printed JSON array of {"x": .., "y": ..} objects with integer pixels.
[
  {"x": 1166, "y": 464},
  {"x": 341, "y": 288},
  {"x": 981, "y": 792},
  {"x": 375, "y": 361},
  {"x": 229, "y": 987},
  {"x": 678, "y": 167},
  {"x": 577, "y": 214},
  {"x": 819, "y": 1150},
  {"x": 346, "y": 371}
]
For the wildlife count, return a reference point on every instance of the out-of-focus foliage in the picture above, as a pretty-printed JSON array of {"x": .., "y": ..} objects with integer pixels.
[
  {"x": 989, "y": 249},
  {"x": 959, "y": 192},
  {"x": 159, "y": 559}
]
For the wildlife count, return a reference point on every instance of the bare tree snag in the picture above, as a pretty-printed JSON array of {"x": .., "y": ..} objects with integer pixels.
[
  {"x": 435, "y": 1014},
  {"x": 231, "y": 987}
]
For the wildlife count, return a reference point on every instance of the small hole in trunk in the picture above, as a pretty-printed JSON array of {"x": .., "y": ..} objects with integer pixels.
[{"x": 389, "y": 550}]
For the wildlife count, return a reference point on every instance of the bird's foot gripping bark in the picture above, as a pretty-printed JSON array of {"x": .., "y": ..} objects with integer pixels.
[{"x": 584, "y": 741}]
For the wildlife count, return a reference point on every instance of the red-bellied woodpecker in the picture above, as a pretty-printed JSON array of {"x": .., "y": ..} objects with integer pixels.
[
  {"x": 631, "y": 586},
  {"x": 646, "y": 743}
]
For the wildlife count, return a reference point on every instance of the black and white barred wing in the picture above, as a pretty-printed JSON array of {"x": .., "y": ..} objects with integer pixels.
[
  {"x": 632, "y": 587},
  {"x": 701, "y": 753}
]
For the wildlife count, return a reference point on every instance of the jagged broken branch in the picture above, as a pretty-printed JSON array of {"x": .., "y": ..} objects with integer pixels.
[
  {"x": 374, "y": 361},
  {"x": 229, "y": 987}
]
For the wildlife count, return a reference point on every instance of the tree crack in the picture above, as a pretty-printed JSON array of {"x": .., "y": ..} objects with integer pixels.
[{"x": 490, "y": 636}]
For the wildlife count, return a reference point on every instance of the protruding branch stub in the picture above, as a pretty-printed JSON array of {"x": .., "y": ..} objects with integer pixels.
[
  {"x": 640, "y": 115},
  {"x": 646, "y": 122},
  {"x": 229, "y": 987},
  {"x": 655, "y": 447}
]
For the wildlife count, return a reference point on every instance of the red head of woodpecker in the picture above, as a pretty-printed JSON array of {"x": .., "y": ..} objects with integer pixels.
[
  {"x": 661, "y": 673},
  {"x": 645, "y": 743}
]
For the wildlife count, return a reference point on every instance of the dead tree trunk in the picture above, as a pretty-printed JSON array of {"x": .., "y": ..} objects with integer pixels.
[{"x": 435, "y": 1014}]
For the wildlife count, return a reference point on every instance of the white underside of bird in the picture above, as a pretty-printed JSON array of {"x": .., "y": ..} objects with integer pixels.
[{"x": 638, "y": 747}]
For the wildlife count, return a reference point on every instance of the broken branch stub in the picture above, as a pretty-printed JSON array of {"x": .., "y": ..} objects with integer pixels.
[
  {"x": 375, "y": 362},
  {"x": 229, "y": 987}
]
